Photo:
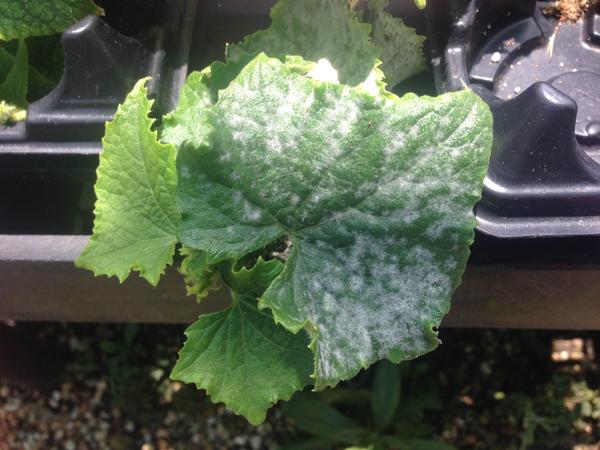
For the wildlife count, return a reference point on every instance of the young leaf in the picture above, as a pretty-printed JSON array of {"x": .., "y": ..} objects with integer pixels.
[
  {"x": 385, "y": 393},
  {"x": 401, "y": 47},
  {"x": 6, "y": 62},
  {"x": 421, "y": 4},
  {"x": 313, "y": 29},
  {"x": 45, "y": 64},
  {"x": 314, "y": 417},
  {"x": 200, "y": 277},
  {"x": 136, "y": 214},
  {"x": 21, "y": 19},
  {"x": 11, "y": 114},
  {"x": 240, "y": 356},
  {"x": 251, "y": 282},
  {"x": 13, "y": 89},
  {"x": 376, "y": 196}
]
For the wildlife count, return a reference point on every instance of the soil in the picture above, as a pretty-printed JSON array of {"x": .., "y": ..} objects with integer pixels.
[{"x": 569, "y": 10}]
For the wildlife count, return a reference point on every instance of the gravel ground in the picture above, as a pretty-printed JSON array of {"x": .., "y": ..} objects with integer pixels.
[
  {"x": 90, "y": 386},
  {"x": 96, "y": 401},
  {"x": 80, "y": 418}
]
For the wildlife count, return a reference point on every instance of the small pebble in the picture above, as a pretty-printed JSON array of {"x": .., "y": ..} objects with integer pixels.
[
  {"x": 255, "y": 442},
  {"x": 496, "y": 57},
  {"x": 129, "y": 426}
]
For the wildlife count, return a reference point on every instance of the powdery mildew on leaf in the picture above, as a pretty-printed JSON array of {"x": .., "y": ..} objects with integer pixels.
[
  {"x": 375, "y": 194},
  {"x": 136, "y": 213},
  {"x": 240, "y": 356},
  {"x": 24, "y": 18},
  {"x": 187, "y": 122}
]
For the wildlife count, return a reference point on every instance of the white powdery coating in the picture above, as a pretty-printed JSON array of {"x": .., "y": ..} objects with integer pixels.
[
  {"x": 394, "y": 288},
  {"x": 247, "y": 212},
  {"x": 267, "y": 131},
  {"x": 279, "y": 126},
  {"x": 381, "y": 242},
  {"x": 395, "y": 298}
]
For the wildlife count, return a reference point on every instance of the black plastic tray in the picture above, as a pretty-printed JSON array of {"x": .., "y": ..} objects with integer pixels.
[
  {"x": 544, "y": 92},
  {"x": 543, "y": 179},
  {"x": 48, "y": 162},
  {"x": 47, "y": 171}
]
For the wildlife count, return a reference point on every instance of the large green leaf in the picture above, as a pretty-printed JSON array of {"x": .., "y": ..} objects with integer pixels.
[
  {"x": 24, "y": 18},
  {"x": 240, "y": 356},
  {"x": 136, "y": 214},
  {"x": 313, "y": 29},
  {"x": 189, "y": 122},
  {"x": 376, "y": 196}
]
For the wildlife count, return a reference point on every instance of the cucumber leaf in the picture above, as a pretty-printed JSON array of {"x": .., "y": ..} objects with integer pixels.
[
  {"x": 314, "y": 417},
  {"x": 13, "y": 89},
  {"x": 401, "y": 47},
  {"x": 187, "y": 121},
  {"x": 45, "y": 63},
  {"x": 385, "y": 394},
  {"x": 239, "y": 355},
  {"x": 200, "y": 277},
  {"x": 376, "y": 196},
  {"x": 6, "y": 62},
  {"x": 136, "y": 214},
  {"x": 313, "y": 29},
  {"x": 21, "y": 19}
]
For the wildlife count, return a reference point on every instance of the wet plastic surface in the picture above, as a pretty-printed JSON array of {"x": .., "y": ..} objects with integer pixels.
[{"x": 542, "y": 82}]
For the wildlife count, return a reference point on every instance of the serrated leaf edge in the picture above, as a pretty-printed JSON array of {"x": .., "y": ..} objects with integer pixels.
[{"x": 99, "y": 206}]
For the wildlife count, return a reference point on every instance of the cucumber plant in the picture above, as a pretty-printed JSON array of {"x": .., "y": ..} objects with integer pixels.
[{"x": 338, "y": 214}]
